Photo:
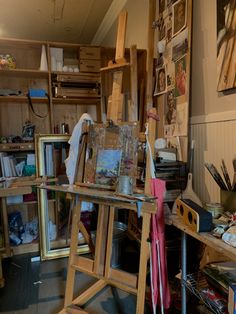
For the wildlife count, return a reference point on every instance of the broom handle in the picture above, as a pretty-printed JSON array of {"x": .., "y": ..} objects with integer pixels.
[{"x": 191, "y": 156}]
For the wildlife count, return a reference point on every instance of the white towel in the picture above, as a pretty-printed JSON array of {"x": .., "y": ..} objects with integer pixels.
[{"x": 74, "y": 140}]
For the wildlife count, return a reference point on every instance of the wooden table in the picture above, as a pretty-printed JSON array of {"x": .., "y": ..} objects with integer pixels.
[
  {"x": 4, "y": 193},
  {"x": 100, "y": 266},
  {"x": 204, "y": 237}
]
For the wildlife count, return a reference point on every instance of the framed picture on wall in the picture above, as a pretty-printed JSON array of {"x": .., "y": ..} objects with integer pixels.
[
  {"x": 161, "y": 81},
  {"x": 226, "y": 44},
  {"x": 180, "y": 76},
  {"x": 179, "y": 11}
]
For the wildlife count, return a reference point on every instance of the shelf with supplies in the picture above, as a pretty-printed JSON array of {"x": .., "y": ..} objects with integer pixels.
[
  {"x": 45, "y": 66},
  {"x": 197, "y": 285},
  {"x": 11, "y": 147},
  {"x": 22, "y": 99},
  {"x": 25, "y": 73},
  {"x": 189, "y": 281}
]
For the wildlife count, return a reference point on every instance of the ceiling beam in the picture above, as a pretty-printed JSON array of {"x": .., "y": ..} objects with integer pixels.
[{"x": 108, "y": 20}]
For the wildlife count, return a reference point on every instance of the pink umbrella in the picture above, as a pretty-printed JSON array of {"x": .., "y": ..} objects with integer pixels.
[{"x": 159, "y": 281}]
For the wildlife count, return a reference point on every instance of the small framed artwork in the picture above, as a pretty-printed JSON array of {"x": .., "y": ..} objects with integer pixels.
[
  {"x": 179, "y": 16},
  {"x": 226, "y": 44},
  {"x": 108, "y": 166},
  {"x": 161, "y": 81},
  {"x": 170, "y": 108},
  {"x": 180, "y": 76},
  {"x": 170, "y": 73}
]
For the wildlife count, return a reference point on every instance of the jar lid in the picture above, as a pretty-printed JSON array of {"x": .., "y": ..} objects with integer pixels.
[{"x": 213, "y": 205}]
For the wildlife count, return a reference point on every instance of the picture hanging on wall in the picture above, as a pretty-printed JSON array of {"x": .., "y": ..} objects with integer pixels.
[
  {"x": 170, "y": 108},
  {"x": 161, "y": 81},
  {"x": 179, "y": 11},
  {"x": 170, "y": 72},
  {"x": 180, "y": 45},
  {"x": 180, "y": 77},
  {"x": 226, "y": 44},
  {"x": 181, "y": 126}
]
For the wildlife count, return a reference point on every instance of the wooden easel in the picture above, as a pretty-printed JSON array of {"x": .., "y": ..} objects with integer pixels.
[{"x": 100, "y": 267}]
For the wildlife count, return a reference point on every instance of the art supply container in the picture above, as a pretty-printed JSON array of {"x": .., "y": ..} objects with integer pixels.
[
  {"x": 124, "y": 185},
  {"x": 214, "y": 208}
]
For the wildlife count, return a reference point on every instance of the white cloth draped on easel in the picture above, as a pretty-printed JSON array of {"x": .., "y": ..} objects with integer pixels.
[{"x": 74, "y": 140}]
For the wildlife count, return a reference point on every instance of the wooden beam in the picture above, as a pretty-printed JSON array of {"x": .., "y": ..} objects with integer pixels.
[
  {"x": 150, "y": 54},
  {"x": 120, "y": 40},
  {"x": 90, "y": 292},
  {"x": 133, "y": 106}
]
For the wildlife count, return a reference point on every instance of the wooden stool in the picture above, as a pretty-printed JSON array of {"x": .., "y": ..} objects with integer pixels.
[{"x": 100, "y": 266}]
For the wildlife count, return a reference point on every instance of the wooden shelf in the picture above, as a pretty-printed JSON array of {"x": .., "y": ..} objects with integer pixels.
[
  {"x": 24, "y": 73},
  {"x": 25, "y": 248},
  {"x": 78, "y": 101},
  {"x": 12, "y": 147},
  {"x": 22, "y": 99},
  {"x": 206, "y": 238}
]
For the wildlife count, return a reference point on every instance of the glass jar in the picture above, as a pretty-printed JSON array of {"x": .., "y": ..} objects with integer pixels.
[{"x": 214, "y": 208}]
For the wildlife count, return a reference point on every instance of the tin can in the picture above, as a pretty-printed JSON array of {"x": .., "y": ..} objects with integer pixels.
[{"x": 125, "y": 185}]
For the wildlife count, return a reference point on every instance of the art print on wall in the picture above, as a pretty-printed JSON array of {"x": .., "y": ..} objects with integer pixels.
[
  {"x": 180, "y": 77},
  {"x": 170, "y": 108},
  {"x": 180, "y": 45},
  {"x": 181, "y": 125},
  {"x": 226, "y": 44},
  {"x": 179, "y": 11},
  {"x": 161, "y": 81}
]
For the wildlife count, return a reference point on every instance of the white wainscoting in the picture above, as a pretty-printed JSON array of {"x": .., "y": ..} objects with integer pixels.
[{"x": 215, "y": 138}]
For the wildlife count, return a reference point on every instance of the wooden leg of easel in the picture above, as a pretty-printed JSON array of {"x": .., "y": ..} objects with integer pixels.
[
  {"x": 90, "y": 292},
  {"x": 87, "y": 237},
  {"x": 109, "y": 242},
  {"x": 144, "y": 254},
  {"x": 101, "y": 239},
  {"x": 73, "y": 250},
  {"x": 72, "y": 310}
]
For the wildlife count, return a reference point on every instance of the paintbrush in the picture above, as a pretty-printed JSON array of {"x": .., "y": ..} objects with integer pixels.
[
  {"x": 234, "y": 180},
  {"x": 216, "y": 176},
  {"x": 226, "y": 175}
]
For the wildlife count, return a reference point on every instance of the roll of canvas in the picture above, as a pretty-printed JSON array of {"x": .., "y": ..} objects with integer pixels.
[{"x": 43, "y": 61}]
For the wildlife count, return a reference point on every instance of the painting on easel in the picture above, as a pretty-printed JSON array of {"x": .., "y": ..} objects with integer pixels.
[
  {"x": 226, "y": 44},
  {"x": 108, "y": 166}
]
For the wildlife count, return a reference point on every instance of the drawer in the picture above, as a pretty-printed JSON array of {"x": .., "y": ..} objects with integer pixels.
[
  {"x": 91, "y": 53},
  {"x": 90, "y": 65}
]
